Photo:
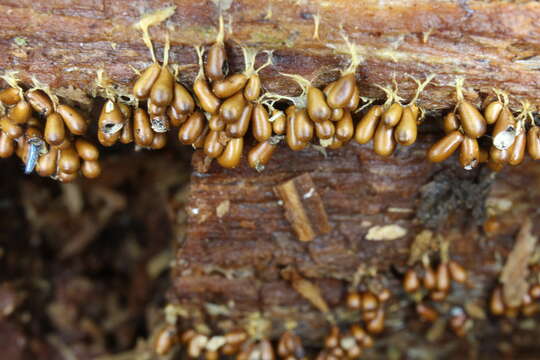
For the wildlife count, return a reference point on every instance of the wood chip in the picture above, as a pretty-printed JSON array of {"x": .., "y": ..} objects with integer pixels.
[
  {"x": 223, "y": 208},
  {"x": 423, "y": 243},
  {"x": 303, "y": 207},
  {"x": 386, "y": 232},
  {"x": 306, "y": 288},
  {"x": 515, "y": 271},
  {"x": 201, "y": 163}
]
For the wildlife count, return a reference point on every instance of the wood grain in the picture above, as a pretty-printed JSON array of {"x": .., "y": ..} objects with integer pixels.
[
  {"x": 236, "y": 260},
  {"x": 490, "y": 43}
]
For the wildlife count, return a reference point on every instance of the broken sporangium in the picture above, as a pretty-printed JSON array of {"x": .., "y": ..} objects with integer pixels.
[
  {"x": 165, "y": 340},
  {"x": 303, "y": 207}
]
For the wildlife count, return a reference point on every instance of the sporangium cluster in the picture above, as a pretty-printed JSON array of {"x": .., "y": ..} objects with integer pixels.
[
  {"x": 197, "y": 345},
  {"x": 371, "y": 307},
  {"x": 431, "y": 286},
  {"x": 348, "y": 344},
  {"x": 238, "y": 344},
  {"x": 168, "y": 102},
  {"x": 44, "y": 133},
  {"x": 223, "y": 113},
  {"x": 528, "y": 307},
  {"x": 508, "y": 135},
  {"x": 391, "y": 123},
  {"x": 234, "y": 344}
]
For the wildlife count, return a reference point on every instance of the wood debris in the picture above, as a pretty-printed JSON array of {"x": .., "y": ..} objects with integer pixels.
[
  {"x": 223, "y": 208},
  {"x": 515, "y": 271},
  {"x": 303, "y": 207},
  {"x": 201, "y": 163},
  {"x": 111, "y": 202},
  {"x": 423, "y": 243},
  {"x": 386, "y": 232},
  {"x": 306, "y": 288}
]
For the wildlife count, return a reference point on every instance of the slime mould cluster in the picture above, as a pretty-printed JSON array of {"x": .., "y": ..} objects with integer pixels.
[
  {"x": 428, "y": 287},
  {"x": 510, "y": 136},
  {"x": 338, "y": 344},
  {"x": 529, "y": 304},
  {"x": 217, "y": 111},
  {"x": 46, "y": 135}
]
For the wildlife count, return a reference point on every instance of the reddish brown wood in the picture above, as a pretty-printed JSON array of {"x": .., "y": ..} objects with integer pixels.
[
  {"x": 491, "y": 44},
  {"x": 235, "y": 260}
]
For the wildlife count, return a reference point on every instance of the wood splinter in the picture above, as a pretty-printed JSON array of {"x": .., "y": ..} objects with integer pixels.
[
  {"x": 515, "y": 271},
  {"x": 306, "y": 288},
  {"x": 303, "y": 207}
]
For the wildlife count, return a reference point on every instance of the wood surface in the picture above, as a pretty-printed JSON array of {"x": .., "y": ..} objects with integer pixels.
[{"x": 490, "y": 43}]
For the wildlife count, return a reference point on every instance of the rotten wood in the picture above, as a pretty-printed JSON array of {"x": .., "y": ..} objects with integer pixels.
[
  {"x": 493, "y": 44},
  {"x": 238, "y": 258},
  {"x": 303, "y": 207}
]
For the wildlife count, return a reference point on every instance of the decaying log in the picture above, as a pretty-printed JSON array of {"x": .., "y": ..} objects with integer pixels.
[
  {"x": 491, "y": 44},
  {"x": 233, "y": 262}
]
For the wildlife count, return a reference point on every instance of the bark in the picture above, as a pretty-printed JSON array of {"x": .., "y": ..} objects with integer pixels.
[{"x": 491, "y": 44}]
